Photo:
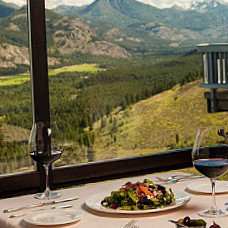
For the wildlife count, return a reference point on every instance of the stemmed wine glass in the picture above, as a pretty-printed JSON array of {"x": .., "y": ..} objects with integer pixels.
[
  {"x": 45, "y": 147},
  {"x": 210, "y": 157}
]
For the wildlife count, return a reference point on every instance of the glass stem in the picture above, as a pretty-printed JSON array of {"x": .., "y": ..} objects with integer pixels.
[
  {"x": 47, "y": 189},
  {"x": 214, "y": 207}
]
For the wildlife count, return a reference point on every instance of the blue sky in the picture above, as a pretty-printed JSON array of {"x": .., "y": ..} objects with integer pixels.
[{"x": 157, "y": 3}]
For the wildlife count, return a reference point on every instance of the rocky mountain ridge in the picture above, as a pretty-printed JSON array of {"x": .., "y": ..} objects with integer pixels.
[
  {"x": 203, "y": 21},
  {"x": 64, "y": 37}
]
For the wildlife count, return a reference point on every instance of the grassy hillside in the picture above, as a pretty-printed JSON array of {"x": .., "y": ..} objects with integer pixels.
[
  {"x": 165, "y": 121},
  {"x": 86, "y": 97},
  {"x": 80, "y": 99},
  {"x": 14, "y": 133},
  {"x": 19, "y": 79}
]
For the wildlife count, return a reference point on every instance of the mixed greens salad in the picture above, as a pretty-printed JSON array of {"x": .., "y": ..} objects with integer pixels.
[{"x": 139, "y": 196}]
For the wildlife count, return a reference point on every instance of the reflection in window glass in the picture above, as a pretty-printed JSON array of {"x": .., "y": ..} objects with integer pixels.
[{"x": 15, "y": 99}]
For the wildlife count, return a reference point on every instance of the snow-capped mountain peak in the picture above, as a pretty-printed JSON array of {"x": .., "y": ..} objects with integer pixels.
[{"x": 206, "y": 5}]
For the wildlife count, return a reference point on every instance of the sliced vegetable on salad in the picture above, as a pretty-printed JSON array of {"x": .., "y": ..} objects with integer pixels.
[{"x": 139, "y": 196}]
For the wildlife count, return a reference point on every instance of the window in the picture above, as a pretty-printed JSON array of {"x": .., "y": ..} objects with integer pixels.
[
  {"x": 15, "y": 95},
  {"x": 116, "y": 90},
  {"x": 137, "y": 90}
]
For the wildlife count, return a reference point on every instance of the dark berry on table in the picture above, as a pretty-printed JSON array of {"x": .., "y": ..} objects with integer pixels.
[
  {"x": 215, "y": 225},
  {"x": 187, "y": 220}
]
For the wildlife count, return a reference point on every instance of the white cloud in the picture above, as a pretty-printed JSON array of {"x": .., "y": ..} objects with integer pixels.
[
  {"x": 170, "y": 3},
  {"x": 18, "y": 2},
  {"x": 156, "y": 3},
  {"x": 53, "y": 3},
  {"x": 167, "y": 3}
]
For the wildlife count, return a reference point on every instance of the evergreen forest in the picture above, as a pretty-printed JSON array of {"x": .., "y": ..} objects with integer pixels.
[{"x": 80, "y": 99}]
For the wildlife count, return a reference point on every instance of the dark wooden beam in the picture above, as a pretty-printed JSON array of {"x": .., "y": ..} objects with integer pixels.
[
  {"x": 221, "y": 97},
  {"x": 29, "y": 182},
  {"x": 19, "y": 184},
  {"x": 38, "y": 68},
  {"x": 38, "y": 60},
  {"x": 122, "y": 167}
]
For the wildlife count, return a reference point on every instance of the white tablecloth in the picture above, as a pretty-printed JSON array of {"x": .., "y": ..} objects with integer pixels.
[{"x": 94, "y": 219}]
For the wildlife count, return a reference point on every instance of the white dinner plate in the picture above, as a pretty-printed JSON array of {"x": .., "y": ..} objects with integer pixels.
[
  {"x": 205, "y": 187},
  {"x": 53, "y": 217},
  {"x": 94, "y": 202}
]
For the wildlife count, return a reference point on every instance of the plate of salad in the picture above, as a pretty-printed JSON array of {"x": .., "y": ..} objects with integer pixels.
[{"x": 138, "y": 198}]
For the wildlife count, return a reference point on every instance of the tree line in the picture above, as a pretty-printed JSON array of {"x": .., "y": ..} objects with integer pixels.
[{"x": 78, "y": 100}]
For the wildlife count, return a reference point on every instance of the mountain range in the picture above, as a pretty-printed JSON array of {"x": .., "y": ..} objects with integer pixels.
[
  {"x": 210, "y": 6},
  {"x": 65, "y": 37},
  {"x": 184, "y": 4},
  {"x": 7, "y": 8},
  {"x": 129, "y": 12},
  {"x": 148, "y": 26},
  {"x": 120, "y": 28}
]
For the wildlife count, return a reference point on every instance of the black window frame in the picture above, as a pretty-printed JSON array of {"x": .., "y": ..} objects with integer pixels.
[{"x": 34, "y": 181}]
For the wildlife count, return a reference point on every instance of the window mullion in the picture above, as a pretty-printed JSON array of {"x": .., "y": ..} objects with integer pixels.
[{"x": 39, "y": 68}]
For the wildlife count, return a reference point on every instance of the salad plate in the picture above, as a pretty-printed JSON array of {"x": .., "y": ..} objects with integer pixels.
[
  {"x": 53, "y": 217},
  {"x": 94, "y": 202},
  {"x": 205, "y": 187}
]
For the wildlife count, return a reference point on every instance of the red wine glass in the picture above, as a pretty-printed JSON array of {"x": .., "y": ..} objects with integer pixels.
[
  {"x": 210, "y": 157},
  {"x": 45, "y": 147}
]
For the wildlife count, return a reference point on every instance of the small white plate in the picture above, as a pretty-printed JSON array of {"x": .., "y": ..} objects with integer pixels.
[
  {"x": 94, "y": 202},
  {"x": 53, "y": 217},
  {"x": 205, "y": 187}
]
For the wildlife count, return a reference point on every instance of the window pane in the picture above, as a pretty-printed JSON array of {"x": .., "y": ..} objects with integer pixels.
[
  {"x": 15, "y": 94},
  {"x": 125, "y": 76}
]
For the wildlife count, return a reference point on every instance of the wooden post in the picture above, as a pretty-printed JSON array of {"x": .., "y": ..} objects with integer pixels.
[
  {"x": 38, "y": 60},
  {"x": 213, "y": 101},
  {"x": 38, "y": 68}
]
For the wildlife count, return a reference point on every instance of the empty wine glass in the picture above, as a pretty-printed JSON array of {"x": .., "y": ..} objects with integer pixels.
[
  {"x": 210, "y": 157},
  {"x": 45, "y": 147}
]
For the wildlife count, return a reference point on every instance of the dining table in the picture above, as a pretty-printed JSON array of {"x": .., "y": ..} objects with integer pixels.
[{"x": 93, "y": 218}]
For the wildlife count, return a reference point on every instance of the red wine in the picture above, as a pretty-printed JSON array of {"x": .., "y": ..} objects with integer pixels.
[
  {"x": 44, "y": 158},
  {"x": 212, "y": 167}
]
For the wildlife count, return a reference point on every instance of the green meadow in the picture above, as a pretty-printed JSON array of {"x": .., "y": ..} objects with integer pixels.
[
  {"x": 165, "y": 121},
  {"x": 21, "y": 78}
]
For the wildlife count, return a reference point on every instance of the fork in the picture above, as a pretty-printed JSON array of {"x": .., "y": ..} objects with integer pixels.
[
  {"x": 172, "y": 180},
  {"x": 131, "y": 224},
  {"x": 179, "y": 176}
]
